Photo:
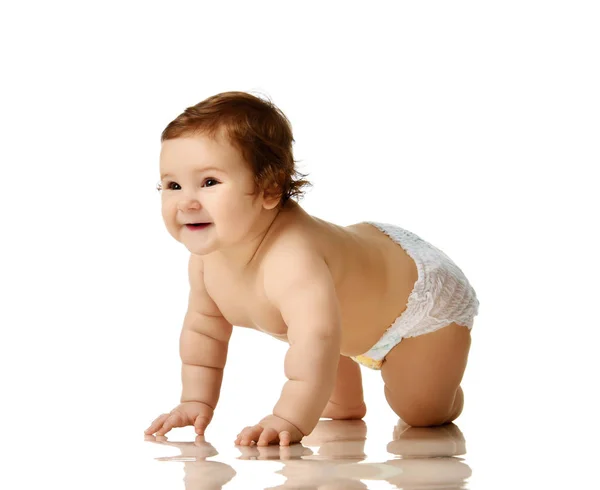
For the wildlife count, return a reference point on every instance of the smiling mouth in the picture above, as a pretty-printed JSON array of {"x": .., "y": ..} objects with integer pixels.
[{"x": 197, "y": 225}]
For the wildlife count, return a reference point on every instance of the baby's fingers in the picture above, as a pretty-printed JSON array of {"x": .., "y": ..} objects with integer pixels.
[
  {"x": 200, "y": 424},
  {"x": 249, "y": 435},
  {"x": 284, "y": 438},
  {"x": 158, "y": 422},
  {"x": 175, "y": 420},
  {"x": 266, "y": 437}
]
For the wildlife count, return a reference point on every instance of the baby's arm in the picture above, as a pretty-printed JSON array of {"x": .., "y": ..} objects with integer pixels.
[
  {"x": 306, "y": 297},
  {"x": 203, "y": 348},
  {"x": 203, "y": 342}
]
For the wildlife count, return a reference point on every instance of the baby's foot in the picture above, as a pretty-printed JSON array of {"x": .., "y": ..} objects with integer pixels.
[{"x": 341, "y": 412}]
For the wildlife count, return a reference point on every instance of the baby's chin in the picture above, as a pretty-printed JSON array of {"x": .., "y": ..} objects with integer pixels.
[{"x": 197, "y": 250}]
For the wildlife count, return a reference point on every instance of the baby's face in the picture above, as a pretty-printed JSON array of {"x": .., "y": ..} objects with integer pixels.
[{"x": 194, "y": 193}]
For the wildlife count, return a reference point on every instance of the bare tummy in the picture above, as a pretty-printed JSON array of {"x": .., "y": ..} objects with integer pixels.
[{"x": 372, "y": 274}]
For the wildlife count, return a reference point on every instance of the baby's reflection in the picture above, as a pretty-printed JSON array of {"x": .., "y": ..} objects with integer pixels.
[
  {"x": 340, "y": 443},
  {"x": 427, "y": 458},
  {"x": 199, "y": 473},
  {"x": 331, "y": 457}
]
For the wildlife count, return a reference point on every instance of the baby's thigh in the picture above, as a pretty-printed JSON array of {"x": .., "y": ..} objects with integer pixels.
[{"x": 425, "y": 371}]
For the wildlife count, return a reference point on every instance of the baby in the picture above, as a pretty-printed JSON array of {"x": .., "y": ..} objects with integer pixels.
[{"x": 369, "y": 293}]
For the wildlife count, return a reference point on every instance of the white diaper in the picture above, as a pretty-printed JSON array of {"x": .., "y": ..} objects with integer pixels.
[{"x": 442, "y": 295}]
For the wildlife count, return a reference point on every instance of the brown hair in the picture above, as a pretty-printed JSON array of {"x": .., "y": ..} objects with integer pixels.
[{"x": 258, "y": 129}]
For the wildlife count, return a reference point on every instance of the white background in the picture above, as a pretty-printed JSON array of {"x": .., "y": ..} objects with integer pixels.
[{"x": 473, "y": 124}]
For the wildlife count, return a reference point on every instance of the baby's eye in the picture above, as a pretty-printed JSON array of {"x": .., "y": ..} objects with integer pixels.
[
  {"x": 171, "y": 184},
  {"x": 211, "y": 180}
]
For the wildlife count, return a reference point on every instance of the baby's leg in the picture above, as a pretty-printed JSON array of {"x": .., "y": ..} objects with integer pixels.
[
  {"x": 347, "y": 400},
  {"x": 422, "y": 376}
]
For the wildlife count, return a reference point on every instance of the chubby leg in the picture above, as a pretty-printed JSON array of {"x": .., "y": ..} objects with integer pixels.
[
  {"x": 347, "y": 400},
  {"x": 422, "y": 376}
]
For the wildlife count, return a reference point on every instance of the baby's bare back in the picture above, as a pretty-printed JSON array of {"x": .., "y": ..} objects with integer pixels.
[{"x": 373, "y": 277}]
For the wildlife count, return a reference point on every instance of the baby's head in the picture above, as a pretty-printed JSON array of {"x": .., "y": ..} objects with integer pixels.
[{"x": 247, "y": 142}]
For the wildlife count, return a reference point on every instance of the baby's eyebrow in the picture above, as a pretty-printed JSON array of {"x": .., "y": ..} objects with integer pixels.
[{"x": 198, "y": 170}]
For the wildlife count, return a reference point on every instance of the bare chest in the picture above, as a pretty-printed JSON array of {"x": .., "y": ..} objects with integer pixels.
[{"x": 373, "y": 277}]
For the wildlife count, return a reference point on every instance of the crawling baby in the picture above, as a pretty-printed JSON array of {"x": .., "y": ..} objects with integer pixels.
[{"x": 370, "y": 293}]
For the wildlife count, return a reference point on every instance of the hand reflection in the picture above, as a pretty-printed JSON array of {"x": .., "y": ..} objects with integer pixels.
[
  {"x": 340, "y": 443},
  {"x": 199, "y": 473},
  {"x": 198, "y": 450},
  {"x": 277, "y": 453}
]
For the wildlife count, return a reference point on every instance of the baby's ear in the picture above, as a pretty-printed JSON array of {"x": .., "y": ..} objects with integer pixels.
[
  {"x": 271, "y": 199},
  {"x": 270, "y": 203}
]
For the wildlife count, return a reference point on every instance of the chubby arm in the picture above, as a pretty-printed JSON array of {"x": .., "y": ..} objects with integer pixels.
[
  {"x": 203, "y": 347},
  {"x": 203, "y": 342},
  {"x": 304, "y": 293}
]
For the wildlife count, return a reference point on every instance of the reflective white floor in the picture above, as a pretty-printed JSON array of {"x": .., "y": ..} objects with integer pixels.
[
  {"x": 83, "y": 444},
  {"x": 371, "y": 454},
  {"x": 335, "y": 455}
]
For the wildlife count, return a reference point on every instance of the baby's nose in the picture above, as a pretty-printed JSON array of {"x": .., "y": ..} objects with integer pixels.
[{"x": 186, "y": 204}]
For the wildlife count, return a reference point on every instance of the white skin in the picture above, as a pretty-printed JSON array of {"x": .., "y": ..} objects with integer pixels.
[{"x": 239, "y": 221}]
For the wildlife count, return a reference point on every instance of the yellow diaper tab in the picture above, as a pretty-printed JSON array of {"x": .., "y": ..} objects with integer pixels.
[{"x": 367, "y": 361}]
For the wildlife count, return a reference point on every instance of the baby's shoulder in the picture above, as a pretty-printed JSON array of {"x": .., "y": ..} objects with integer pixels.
[
  {"x": 292, "y": 257},
  {"x": 292, "y": 247}
]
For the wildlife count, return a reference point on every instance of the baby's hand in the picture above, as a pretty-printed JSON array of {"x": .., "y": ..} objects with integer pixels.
[
  {"x": 271, "y": 429},
  {"x": 188, "y": 413}
]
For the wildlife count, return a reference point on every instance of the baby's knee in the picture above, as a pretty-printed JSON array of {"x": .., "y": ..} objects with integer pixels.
[
  {"x": 425, "y": 418},
  {"x": 422, "y": 410}
]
